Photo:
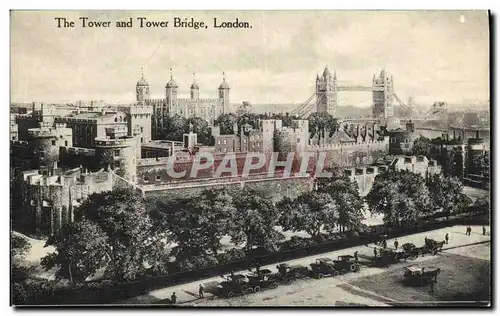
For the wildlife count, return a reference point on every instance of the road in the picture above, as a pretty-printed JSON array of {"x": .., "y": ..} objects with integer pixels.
[{"x": 308, "y": 292}]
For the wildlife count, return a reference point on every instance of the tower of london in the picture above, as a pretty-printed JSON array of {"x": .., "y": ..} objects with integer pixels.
[{"x": 193, "y": 106}]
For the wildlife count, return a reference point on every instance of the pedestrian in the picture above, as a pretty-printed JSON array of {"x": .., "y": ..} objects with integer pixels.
[
  {"x": 356, "y": 256},
  {"x": 446, "y": 238},
  {"x": 396, "y": 244},
  {"x": 200, "y": 291},
  {"x": 173, "y": 298},
  {"x": 375, "y": 252},
  {"x": 469, "y": 229},
  {"x": 484, "y": 230}
]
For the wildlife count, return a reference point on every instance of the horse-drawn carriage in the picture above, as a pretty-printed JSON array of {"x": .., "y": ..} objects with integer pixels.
[
  {"x": 434, "y": 246},
  {"x": 417, "y": 275}
]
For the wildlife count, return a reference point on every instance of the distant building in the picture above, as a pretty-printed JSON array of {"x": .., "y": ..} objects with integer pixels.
[{"x": 194, "y": 106}]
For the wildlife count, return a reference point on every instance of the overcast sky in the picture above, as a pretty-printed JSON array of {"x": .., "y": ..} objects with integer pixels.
[{"x": 432, "y": 55}]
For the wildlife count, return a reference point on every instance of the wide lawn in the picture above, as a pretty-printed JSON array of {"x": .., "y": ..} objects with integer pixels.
[{"x": 462, "y": 280}]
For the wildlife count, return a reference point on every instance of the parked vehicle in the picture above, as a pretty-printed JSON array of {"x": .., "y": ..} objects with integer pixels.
[
  {"x": 289, "y": 273},
  {"x": 262, "y": 279},
  {"x": 346, "y": 263},
  {"x": 235, "y": 284},
  {"x": 323, "y": 267}
]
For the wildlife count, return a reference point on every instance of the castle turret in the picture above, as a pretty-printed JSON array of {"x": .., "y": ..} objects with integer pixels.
[
  {"x": 195, "y": 89},
  {"x": 224, "y": 95},
  {"x": 142, "y": 90},
  {"x": 120, "y": 154},
  {"x": 171, "y": 94},
  {"x": 44, "y": 147}
]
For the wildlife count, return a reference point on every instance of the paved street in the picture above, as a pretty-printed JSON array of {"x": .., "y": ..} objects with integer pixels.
[{"x": 309, "y": 291}]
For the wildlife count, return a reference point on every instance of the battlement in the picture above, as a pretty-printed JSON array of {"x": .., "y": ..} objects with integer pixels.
[
  {"x": 155, "y": 101},
  {"x": 346, "y": 145},
  {"x": 19, "y": 143},
  {"x": 195, "y": 101},
  {"x": 42, "y": 133},
  {"x": 108, "y": 142},
  {"x": 80, "y": 151},
  {"x": 24, "y": 116},
  {"x": 140, "y": 109},
  {"x": 368, "y": 170},
  {"x": 76, "y": 120},
  {"x": 152, "y": 161}
]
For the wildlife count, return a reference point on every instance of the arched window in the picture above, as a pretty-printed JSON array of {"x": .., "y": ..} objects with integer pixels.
[{"x": 116, "y": 119}]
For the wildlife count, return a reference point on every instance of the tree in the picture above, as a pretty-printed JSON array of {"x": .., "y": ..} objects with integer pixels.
[
  {"x": 310, "y": 212},
  {"x": 322, "y": 123},
  {"x": 200, "y": 127},
  {"x": 422, "y": 146},
  {"x": 344, "y": 192},
  {"x": 226, "y": 123},
  {"x": 173, "y": 127},
  {"x": 401, "y": 196},
  {"x": 446, "y": 194},
  {"x": 122, "y": 216},
  {"x": 255, "y": 219},
  {"x": 480, "y": 165},
  {"x": 203, "y": 222},
  {"x": 19, "y": 246},
  {"x": 82, "y": 249}
]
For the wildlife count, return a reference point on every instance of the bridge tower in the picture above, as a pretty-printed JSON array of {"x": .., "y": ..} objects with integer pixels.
[
  {"x": 383, "y": 96},
  {"x": 326, "y": 92}
]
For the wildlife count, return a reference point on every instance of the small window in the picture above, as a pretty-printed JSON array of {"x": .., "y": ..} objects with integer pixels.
[
  {"x": 251, "y": 138},
  {"x": 116, "y": 153},
  {"x": 191, "y": 111},
  {"x": 298, "y": 140},
  {"x": 406, "y": 140},
  {"x": 53, "y": 142},
  {"x": 393, "y": 140},
  {"x": 42, "y": 154},
  {"x": 142, "y": 129},
  {"x": 225, "y": 141},
  {"x": 117, "y": 164},
  {"x": 146, "y": 179},
  {"x": 66, "y": 143},
  {"x": 244, "y": 141},
  {"x": 13, "y": 137},
  {"x": 202, "y": 111},
  {"x": 225, "y": 149},
  {"x": 158, "y": 178},
  {"x": 142, "y": 140},
  {"x": 218, "y": 142},
  {"x": 116, "y": 119}
]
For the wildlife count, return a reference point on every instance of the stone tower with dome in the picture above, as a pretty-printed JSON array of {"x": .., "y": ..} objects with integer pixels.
[
  {"x": 142, "y": 90},
  {"x": 193, "y": 106}
]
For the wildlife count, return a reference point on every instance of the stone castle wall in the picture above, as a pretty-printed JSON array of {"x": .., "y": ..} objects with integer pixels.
[{"x": 274, "y": 189}]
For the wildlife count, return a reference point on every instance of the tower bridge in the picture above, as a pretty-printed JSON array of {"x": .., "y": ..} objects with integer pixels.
[{"x": 327, "y": 89}]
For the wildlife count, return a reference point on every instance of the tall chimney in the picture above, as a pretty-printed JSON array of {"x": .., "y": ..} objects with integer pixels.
[{"x": 454, "y": 136}]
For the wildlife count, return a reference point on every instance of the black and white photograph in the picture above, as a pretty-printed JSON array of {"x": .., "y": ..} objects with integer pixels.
[{"x": 250, "y": 158}]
